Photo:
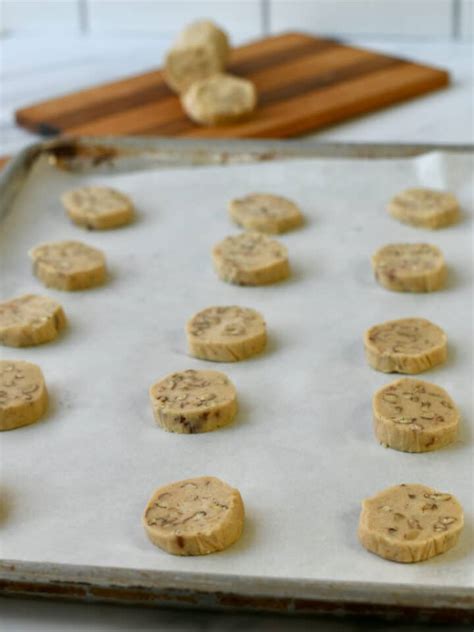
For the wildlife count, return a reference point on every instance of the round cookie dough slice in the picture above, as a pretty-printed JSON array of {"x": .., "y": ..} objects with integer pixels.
[
  {"x": 409, "y": 267},
  {"x": 250, "y": 259},
  {"x": 407, "y": 345},
  {"x": 414, "y": 416},
  {"x": 410, "y": 523},
  {"x": 226, "y": 334},
  {"x": 200, "y": 51},
  {"x": 219, "y": 100},
  {"x": 265, "y": 213},
  {"x": 68, "y": 265},
  {"x": 425, "y": 208},
  {"x": 98, "y": 207},
  {"x": 23, "y": 395},
  {"x": 193, "y": 401},
  {"x": 30, "y": 320},
  {"x": 195, "y": 516}
]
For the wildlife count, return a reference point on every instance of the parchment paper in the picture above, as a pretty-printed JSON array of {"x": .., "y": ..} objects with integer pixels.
[{"x": 301, "y": 450}]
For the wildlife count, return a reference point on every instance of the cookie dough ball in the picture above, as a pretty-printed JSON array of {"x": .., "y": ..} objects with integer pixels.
[
  {"x": 226, "y": 334},
  {"x": 265, "y": 213},
  {"x": 98, "y": 207},
  {"x": 200, "y": 51},
  {"x": 250, "y": 259},
  {"x": 425, "y": 208},
  {"x": 219, "y": 100},
  {"x": 195, "y": 516},
  {"x": 409, "y": 267},
  {"x": 68, "y": 265},
  {"x": 414, "y": 416},
  {"x": 410, "y": 523},
  {"x": 30, "y": 320},
  {"x": 23, "y": 395},
  {"x": 193, "y": 401},
  {"x": 407, "y": 345}
]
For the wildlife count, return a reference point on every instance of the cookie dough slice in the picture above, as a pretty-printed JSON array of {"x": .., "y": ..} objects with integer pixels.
[
  {"x": 250, "y": 259},
  {"x": 68, "y": 265},
  {"x": 30, "y": 320},
  {"x": 414, "y": 416},
  {"x": 425, "y": 208},
  {"x": 98, "y": 207},
  {"x": 226, "y": 333},
  {"x": 195, "y": 516},
  {"x": 193, "y": 401},
  {"x": 407, "y": 345},
  {"x": 409, "y": 267},
  {"x": 23, "y": 395},
  {"x": 200, "y": 51},
  {"x": 410, "y": 523},
  {"x": 219, "y": 100},
  {"x": 265, "y": 213}
]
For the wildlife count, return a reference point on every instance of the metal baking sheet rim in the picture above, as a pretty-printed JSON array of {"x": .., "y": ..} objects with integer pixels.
[{"x": 206, "y": 591}]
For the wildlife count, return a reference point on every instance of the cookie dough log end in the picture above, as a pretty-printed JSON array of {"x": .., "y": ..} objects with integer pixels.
[
  {"x": 98, "y": 208},
  {"x": 69, "y": 265},
  {"x": 412, "y": 415},
  {"x": 194, "y": 517},
  {"x": 200, "y": 51},
  {"x": 30, "y": 320},
  {"x": 265, "y": 213},
  {"x": 226, "y": 334},
  {"x": 191, "y": 401},
  {"x": 410, "y": 523},
  {"x": 425, "y": 208},
  {"x": 407, "y": 345},
  {"x": 220, "y": 99},
  {"x": 23, "y": 394}
]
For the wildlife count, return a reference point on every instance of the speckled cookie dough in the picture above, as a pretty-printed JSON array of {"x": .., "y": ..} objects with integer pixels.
[
  {"x": 425, "y": 208},
  {"x": 195, "y": 516},
  {"x": 200, "y": 51},
  {"x": 407, "y": 345},
  {"x": 98, "y": 207},
  {"x": 193, "y": 401},
  {"x": 414, "y": 416},
  {"x": 68, "y": 265},
  {"x": 265, "y": 213},
  {"x": 30, "y": 320},
  {"x": 410, "y": 523},
  {"x": 250, "y": 259},
  {"x": 409, "y": 267},
  {"x": 226, "y": 333},
  {"x": 219, "y": 100},
  {"x": 23, "y": 395}
]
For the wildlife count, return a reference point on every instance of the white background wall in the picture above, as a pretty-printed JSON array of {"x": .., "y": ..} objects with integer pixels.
[{"x": 446, "y": 19}]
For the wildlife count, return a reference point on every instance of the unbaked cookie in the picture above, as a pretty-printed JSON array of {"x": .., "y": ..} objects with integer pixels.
[
  {"x": 407, "y": 345},
  {"x": 219, "y": 99},
  {"x": 265, "y": 213},
  {"x": 414, "y": 416},
  {"x": 30, "y": 320},
  {"x": 195, "y": 516},
  {"x": 426, "y": 208},
  {"x": 410, "y": 523},
  {"x": 193, "y": 401},
  {"x": 68, "y": 265},
  {"x": 409, "y": 267},
  {"x": 23, "y": 395},
  {"x": 98, "y": 207},
  {"x": 226, "y": 334},
  {"x": 200, "y": 51},
  {"x": 250, "y": 259}
]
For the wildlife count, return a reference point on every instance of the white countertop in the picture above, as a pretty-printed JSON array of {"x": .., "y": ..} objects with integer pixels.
[{"x": 33, "y": 69}]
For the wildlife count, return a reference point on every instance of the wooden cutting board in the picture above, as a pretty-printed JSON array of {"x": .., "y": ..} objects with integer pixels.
[{"x": 303, "y": 82}]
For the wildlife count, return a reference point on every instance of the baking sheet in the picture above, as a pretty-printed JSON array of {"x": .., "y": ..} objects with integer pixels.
[{"x": 301, "y": 450}]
